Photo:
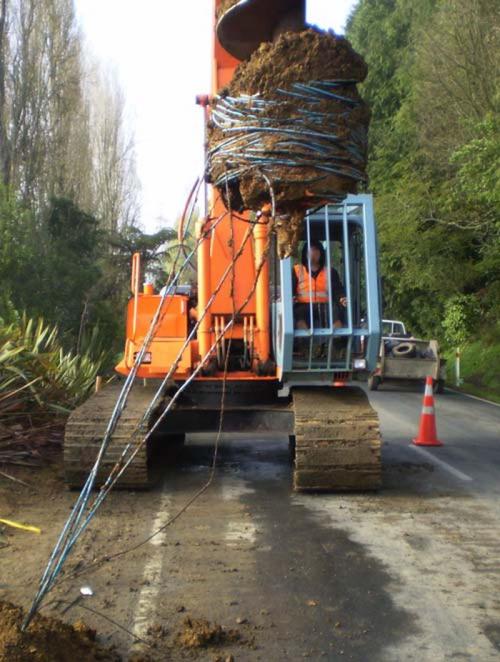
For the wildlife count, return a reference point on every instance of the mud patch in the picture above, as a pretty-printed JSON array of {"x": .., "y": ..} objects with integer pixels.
[
  {"x": 200, "y": 633},
  {"x": 47, "y": 640}
]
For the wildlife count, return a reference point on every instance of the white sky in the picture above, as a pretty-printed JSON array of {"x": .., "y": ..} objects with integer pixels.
[{"x": 161, "y": 51}]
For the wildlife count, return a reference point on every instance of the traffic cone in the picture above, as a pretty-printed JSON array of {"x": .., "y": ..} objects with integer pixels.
[{"x": 427, "y": 435}]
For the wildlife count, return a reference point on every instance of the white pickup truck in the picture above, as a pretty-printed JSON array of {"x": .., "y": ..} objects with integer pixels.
[{"x": 405, "y": 358}]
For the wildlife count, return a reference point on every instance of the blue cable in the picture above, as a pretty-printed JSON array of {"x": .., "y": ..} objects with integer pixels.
[{"x": 246, "y": 121}]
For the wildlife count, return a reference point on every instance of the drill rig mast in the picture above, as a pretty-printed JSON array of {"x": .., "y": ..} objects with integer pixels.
[{"x": 277, "y": 378}]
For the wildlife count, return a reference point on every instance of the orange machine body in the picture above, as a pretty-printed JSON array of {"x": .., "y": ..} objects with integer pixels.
[{"x": 222, "y": 240}]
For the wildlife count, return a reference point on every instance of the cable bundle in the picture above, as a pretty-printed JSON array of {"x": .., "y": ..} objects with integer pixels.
[
  {"x": 325, "y": 143},
  {"x": 292, "y": 116}
]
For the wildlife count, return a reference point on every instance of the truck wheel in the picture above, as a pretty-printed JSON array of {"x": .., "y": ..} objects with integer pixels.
[{"x": 373, "y": 382}]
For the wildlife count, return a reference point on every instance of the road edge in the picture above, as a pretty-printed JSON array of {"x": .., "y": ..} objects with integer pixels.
[{"x": 473, "y": 397}]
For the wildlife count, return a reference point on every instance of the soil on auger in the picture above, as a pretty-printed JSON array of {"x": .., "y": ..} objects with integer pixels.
[
  {"x": 224, "y": 6},
  {"x": 337, "y": 440},
  {"x": 298, "y": 57},
  {"x": 298, "y": 177}
]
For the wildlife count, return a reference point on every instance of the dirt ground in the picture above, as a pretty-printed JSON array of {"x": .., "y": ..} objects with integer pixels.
[
  {"x": 253, "y": 571},
  {"x": 182, "y": 634}
]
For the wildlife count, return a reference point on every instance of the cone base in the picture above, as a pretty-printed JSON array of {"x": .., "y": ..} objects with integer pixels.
[{"x": 417, "y": 442}]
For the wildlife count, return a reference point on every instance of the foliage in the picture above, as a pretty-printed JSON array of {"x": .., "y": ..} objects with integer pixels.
[
  {"x": 37, "y": 376},
  {"x": 477, "y": 180},
  {"x": 177, "y": 252},
  {"x": 479, "y": 363},
  {"x": 48, "y": 265},
  {"x": 70, "y": 267},
  {"x": 461, "y": 319},
  {"x": 433, "y": 87},
  {"x": 19, "y": 247},
  {"x": 67, "y": 175},
  {"x": 66, "y": 268},
  {"x": 151, "y": 247}
]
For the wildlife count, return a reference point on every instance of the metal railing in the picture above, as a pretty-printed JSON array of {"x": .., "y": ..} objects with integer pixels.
[{"x": 328, "y": 346}]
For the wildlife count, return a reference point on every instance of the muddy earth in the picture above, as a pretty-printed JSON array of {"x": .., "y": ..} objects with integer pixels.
[
  {"x": 47, "y": 639},
  {"x": 254, "y": 572}
]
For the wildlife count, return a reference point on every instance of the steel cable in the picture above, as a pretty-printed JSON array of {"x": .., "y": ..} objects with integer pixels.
[
  {"x": 72, "y": 528},
  {"x": 308, "y": 138},
  {"x": 207, "y": 484},
  {"x": 60, "y": 550}
]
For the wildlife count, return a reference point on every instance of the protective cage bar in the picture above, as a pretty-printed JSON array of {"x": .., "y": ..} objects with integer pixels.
[{"x": 335, "y": 336}]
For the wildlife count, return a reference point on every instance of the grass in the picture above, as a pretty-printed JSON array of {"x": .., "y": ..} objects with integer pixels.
[{"x": 480, "y": 368}]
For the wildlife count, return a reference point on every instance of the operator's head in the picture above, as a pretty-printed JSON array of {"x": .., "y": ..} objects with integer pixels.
[
  {"x": 193, "y": 284},
  {"x": 316, "y": 254}
]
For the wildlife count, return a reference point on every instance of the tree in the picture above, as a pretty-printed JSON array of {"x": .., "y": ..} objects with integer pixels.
[
  {"x": 178, "y": 253},
  {"x": 151, "y": 247},
  {"x": 67, "y": 172},
  {"x": 433, "y": 87},
  {"x": 461, "y": 319},
  {"x": 4, "y": 142},
  {"x": 63, "y": 130},
  {"x": 19, "y": 249},
  {"x": 457, "y": 75},
  {"x": 115, "y": 180}
]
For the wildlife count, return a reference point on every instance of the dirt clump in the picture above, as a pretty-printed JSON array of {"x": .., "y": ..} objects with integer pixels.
[
  {"x": 48, "y": 640},
  {"x": 224, "y": 6},
  {"x": 200, "y": 633},
  {"x": 292, "y": 120},
  {"x": 298, "y": 57}
]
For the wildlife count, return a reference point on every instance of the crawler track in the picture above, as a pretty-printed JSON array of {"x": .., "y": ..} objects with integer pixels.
[
  {"x": 337, "y": 440},
  {"x": 85, "y": 429}
]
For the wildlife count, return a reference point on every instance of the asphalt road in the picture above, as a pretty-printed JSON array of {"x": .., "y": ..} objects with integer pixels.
[{"x": 410, "y": 573}]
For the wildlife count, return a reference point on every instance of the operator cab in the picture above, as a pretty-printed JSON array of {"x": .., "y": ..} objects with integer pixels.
[{"x": 329, "y": 327}]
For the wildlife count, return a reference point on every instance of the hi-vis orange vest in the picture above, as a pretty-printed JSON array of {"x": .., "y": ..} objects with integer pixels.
[{"x": 309, "y": 288}]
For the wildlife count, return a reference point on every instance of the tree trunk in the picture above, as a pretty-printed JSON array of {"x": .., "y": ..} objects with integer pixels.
[{"x": 4, "y": 140}]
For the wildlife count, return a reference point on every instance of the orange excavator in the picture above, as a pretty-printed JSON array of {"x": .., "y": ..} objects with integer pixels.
[{"x": 232, "y": 340}]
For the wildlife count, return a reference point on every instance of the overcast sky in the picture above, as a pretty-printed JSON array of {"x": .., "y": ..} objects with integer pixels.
[{"x": 161, "y": 51}]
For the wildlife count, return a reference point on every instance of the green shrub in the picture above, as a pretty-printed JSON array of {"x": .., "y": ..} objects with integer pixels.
[
  {"x": 461, "y": 318},
  {"x": 37, "y": 376}
]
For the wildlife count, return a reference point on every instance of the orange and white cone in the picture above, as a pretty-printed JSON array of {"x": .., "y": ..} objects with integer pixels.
[{"x": 427, "y": 435}]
